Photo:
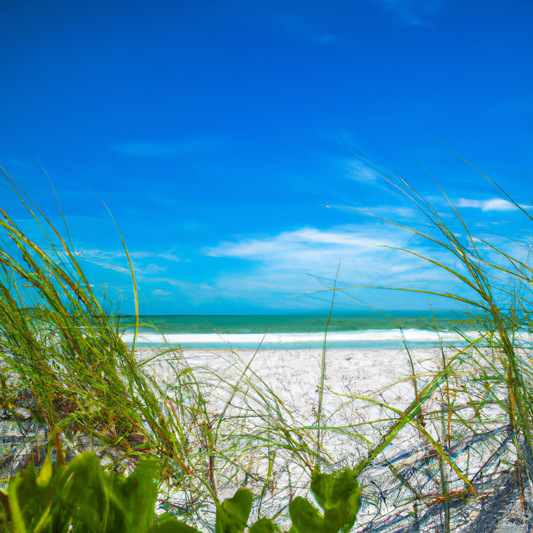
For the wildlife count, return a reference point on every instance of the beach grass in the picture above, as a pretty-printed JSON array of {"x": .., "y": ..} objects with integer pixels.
[
  {"x": 68, "y": 381},
  {"x": 484, "y": 386}
]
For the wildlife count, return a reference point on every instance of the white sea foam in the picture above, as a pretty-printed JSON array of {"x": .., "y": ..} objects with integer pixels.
[{"x": 378, "y": 335}]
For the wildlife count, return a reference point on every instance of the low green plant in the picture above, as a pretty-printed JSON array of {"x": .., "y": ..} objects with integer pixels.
[
  {"x": 339, "y": 496},
  {"x": 82, "y": 497}
]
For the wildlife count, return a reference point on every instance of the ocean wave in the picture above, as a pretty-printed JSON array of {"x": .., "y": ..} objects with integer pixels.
[{"x": 381, "y": 335}]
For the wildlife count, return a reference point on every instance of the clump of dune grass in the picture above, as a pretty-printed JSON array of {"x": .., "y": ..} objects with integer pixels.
[
  {"x": 68, "y": 380},
  {"x": 459, "y": 458},
  {"x": 65, "y": 365}
]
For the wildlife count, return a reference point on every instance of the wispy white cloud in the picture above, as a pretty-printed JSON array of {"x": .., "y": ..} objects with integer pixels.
[
  {"x": 109, "y": 266},
  {"x": 161, "y": 292},
  {"x": 182, "y": 284},
  {"x": 117, "y": 254},
  {"x": 358, "y": 171},
  {"x": 304, "y": 241},
  {"x": 185, "y": 292},
  {"x": 414, "y": 12},
  {"x": 116, "y": 260},
  {"x": 167, "y": 256},
  {"x": 279, "y": 265},
  {"x": 494, "y": 204},
  {"x": 149, "y": 269},
  {"x": 383, "y": 211},
  {"x": 164, "y": 149},
  {"x": 388, "y": 210}
]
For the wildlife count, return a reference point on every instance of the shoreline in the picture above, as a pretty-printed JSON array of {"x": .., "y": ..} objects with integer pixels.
[{"x": 358, "y": 339}]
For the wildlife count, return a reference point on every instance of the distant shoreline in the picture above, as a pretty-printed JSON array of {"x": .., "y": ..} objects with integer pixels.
[{"x": 364, "y": 339}]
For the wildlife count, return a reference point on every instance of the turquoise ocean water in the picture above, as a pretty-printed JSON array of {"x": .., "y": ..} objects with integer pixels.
[{"x": 359, "y": 329}]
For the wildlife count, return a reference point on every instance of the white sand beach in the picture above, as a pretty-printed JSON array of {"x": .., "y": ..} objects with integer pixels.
[
  {"x": 294, "y": 377},
  {"x": 276, "y": 390},
  {"x": 353, "y": 379}
]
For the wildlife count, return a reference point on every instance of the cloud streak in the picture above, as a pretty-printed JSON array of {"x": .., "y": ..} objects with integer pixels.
[
  {"x": 161, "y": 292},
  {"x": 280, "y": 264},
  {"x": 358, "y": 171},
  {"x": 305, "y": 240},
  {"x": 494, "y": 204},
  {"x": 115, "y": 260},
  {"x": 166, "y": 256}
]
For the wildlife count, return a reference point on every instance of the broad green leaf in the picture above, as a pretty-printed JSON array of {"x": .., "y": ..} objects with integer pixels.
[
  {"x": 45, "y": 522},
  {"x": 5, "y": 514},
  {"x": 45, "y": 474},
  {"x": 30, "y": 501},
  {"x": 171, "y": 525},
  {"x": 306, "y": 518},
  {"x": 233, "y": 514},
  {"x": 338, "y": 495},
  {"x": 17, "y": 512},
  {"x": 82, "y": 498},
  {"x": 86, "y": 494},
  {"x": 264, "y": 525},
  {"x": 133, "y": 498}
]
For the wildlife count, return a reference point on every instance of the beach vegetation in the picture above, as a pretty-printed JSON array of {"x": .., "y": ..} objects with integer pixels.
[
  {"x": 70, "y": 383},
  {"x": 473, "y": 416},
  {"x": 456, "y": 456},
  {"x": 83, "y": 498}
]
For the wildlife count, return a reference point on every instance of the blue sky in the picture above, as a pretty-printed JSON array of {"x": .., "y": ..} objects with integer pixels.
[{"x": 216, "y": 133}]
